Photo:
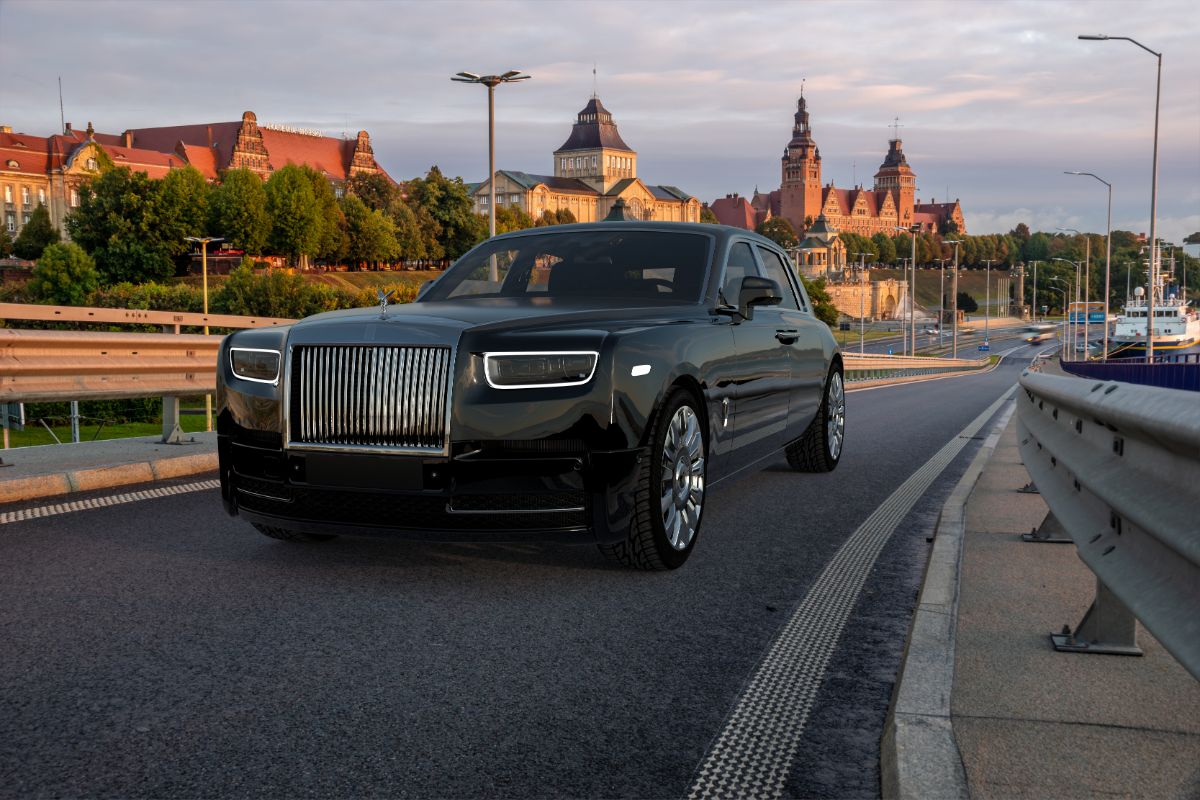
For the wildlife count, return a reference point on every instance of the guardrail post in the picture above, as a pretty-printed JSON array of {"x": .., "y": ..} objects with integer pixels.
[
  {"x": 1108, "y": 627},
  {"x": 172, "y": 433},
  {"x": 75, "y": 421},
  {"x": 1050, "y": 531}
]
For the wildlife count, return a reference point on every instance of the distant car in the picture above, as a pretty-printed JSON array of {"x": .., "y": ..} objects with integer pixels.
[
  {"x": 932, "y": 330},
  {"x": 578, "y": 383}
]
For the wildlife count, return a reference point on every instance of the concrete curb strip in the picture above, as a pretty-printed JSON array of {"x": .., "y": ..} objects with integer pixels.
[
  {"x": 919, "y": 757},
  {"x": 85, "y": 480}
]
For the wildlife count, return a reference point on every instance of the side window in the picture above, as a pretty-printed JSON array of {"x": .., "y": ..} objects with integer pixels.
[
  {"x": 778, "y": 272},
  {"x": 740, "y": 264}
]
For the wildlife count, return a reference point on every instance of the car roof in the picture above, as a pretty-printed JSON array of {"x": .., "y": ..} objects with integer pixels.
[{"x": 722, "y": 232}]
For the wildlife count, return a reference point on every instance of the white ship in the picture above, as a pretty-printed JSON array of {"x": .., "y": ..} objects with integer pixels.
[{"x": 1176, "y": 325}]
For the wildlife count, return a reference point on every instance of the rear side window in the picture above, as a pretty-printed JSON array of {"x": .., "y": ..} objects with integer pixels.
[{"x": 778, "y": 272}]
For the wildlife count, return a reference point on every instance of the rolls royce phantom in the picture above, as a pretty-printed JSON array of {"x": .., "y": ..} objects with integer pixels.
[{"x": 577, "y": 383}]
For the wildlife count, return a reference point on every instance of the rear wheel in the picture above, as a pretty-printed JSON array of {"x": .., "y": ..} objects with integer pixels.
[
  {"x": 670, "y": 491},
  {"x": 291, "y": 536},
  {"x": 820, "y": 448}
]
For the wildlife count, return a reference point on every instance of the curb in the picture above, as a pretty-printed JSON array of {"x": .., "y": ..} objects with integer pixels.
[
  {"x": 86, "y": 480},
  {"x": 918, "y": 756}
]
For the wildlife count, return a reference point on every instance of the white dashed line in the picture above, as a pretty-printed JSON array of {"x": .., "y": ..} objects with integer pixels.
[
  {"x": 104, "y": 502},
  {"x": 753, "y": 754}
]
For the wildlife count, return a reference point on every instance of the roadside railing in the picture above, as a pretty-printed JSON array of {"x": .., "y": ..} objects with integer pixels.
[
  {"x": 53, "y": 366},
  {"x": 872, "y": 366},
  {"x": 1173, "y": 371},
  {"x": 1119, "y": 466}
]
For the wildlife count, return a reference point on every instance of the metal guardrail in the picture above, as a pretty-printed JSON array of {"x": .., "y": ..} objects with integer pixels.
[
  {"x": 133, "y": 316},
  {"x": 873, "y": 366},
  {"x": 1119, "y": 466}
]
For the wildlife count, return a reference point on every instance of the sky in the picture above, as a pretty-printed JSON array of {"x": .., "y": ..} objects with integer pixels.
[{"x": 995, "y": 99}]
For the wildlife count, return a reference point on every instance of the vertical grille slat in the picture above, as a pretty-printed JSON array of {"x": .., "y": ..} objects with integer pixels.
[{"x": 370, "y": 396}]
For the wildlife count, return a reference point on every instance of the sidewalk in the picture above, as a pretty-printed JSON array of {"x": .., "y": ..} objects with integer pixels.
[
  {"x": 49, "y": 470},
  {"x": 1027, "y": 721}
]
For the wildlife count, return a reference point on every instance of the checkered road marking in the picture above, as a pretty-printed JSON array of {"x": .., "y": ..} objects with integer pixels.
[{"x": 104, "y": 502}]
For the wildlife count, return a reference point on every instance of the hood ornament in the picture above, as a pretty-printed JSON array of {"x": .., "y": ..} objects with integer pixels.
[{"x": 383, "y": 301}]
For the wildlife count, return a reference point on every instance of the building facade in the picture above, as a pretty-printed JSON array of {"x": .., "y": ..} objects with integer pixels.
[
  {"x": 49, "y": 170},
  {"x": 592, "y": 169},
  {"x": 803, "y": 197}
]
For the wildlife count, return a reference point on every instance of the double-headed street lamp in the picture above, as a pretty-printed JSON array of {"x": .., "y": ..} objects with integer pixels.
[
  {"x": 491, "y": 82},
  {"x": 1100, "y": 37},
  {"x": 912, "y": 289},
  {"x": 1075, "y": 294},
  {"x": 1107, "y": 252},
  {"x": 954, "y": 291},
  {"x": 1087, "y": 277},
  {"x": 204, "y": 241}
]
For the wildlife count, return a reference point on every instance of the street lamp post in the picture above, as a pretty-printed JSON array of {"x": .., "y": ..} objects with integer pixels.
[
  {"x": 1063, "y": 335},
  {"x": 862, "y": 290},
  {"x": 987, "y": 300},
  {"x": 912, "y": 288},
  {"x": 1153, "y": 187},
  {"x": 203, "y": 241},
  {"x": 1035, "y": 263},
  {"x": 1107, "y": 253},
  {"x": 491, "y": 82},
  {"x": 941, "y": 299},
  {"x": 954, "y": 291},
  {"x": 1087, "y": 281},
  {"x": 1074, "y": 328}
]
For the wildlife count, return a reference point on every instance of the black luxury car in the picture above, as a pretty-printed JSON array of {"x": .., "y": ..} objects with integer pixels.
[{"x": 578, "y": 383}]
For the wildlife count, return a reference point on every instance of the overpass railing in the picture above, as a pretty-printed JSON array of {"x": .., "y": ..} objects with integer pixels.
[
  {"x": 1119, "y": 466},
  {"x": 873, "y": 366},
  {"x": 53, "y": 366},
  {"x": 1168, "y": 371}
]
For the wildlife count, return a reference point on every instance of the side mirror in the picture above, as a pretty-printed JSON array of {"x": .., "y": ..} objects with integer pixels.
[
  {"x": 756, "y": 291},
  {"x": 424, "y": 288}
]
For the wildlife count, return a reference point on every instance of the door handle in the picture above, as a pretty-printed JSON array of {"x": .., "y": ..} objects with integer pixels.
[{"x": 787, "y": 336}]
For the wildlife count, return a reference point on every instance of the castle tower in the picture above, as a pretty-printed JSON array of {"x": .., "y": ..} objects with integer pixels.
[
  {"x": 800, "y": 188},
  {"x": 897, "y": 177},
  {"x": 595, "y": 153}
]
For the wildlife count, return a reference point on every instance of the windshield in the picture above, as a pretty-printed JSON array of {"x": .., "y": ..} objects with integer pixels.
[{"x": 605, "y": 266}]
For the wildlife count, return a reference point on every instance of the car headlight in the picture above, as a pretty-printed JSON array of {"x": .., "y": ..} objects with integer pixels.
[
  {"x": 529, "y": 370},
  {"x": 251, "y": 364}
]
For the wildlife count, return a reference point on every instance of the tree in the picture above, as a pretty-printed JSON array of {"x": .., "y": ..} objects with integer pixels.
[
  {"x": 117, "y": 224},
  {"x": 447, "y": 201},
  {"x": 370, "y": 235},
  {"x": 512, "y": 218},
  {"x": 180, "y": 209},
  {"x": 410, "y": 239},
  {"x": 237, "y": 211},
  {"x": 1191, "y": 238},
  {"x": 65, "y": 275},
  {"x": 296, "y": 221},
  {"x": 375, "y": 189},
  {"x": 779, "y": 231},
  {"x": 1020, "y": 233},
  {"x": 707, "y": 215},
  {"x": 36, "y": 235},
  {"x": 6, "y": 243},
  {"x": 331, "y": 235},
  {"x": 966, "y": 303},
  {"x": 822, "y": 303},
  {"x": 565, "y": 216},
  {"x": 885, "y": 248}
]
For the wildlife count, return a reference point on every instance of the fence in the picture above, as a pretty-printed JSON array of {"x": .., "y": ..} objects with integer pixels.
[
  {"x": 1180, "y": 371},
  {"x": 1119, "y": 466},
  {"x": 869, "y": 366}
]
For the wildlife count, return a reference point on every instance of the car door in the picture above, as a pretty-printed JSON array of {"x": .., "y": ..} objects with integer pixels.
[
  {"x": 763, "y": 371},
  {"x": 800, "y": 333}
]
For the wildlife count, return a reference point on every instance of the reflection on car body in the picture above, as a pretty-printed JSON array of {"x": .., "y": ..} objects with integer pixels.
[{"x": 580, "y": 383}]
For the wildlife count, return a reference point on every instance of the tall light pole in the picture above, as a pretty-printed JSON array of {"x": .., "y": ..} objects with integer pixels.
[
  {"x": 1035, "y": 263},
  {"x": 862, "y": 290},
  {"x": 1087, "y": 280},
  {"x": 987, "y": 300},
  {"x": 1153, "y": 186},
  {"x": 912, "y": 289},
  {"x": 491, "y": 82},
  {"x": 942, "y": 299},
  {"x": 203, "y": 241},
  {"x": 954, "y": 291},
  {"x": 1074, "y": 328},
  {"x": 1107, "y": 252},
  {"x": 1063, "y": 335}
]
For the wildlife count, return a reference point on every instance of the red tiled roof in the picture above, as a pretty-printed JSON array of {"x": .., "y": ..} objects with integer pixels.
[
  {"x": 221, "y": 134},
  {"x": 31, "y": 152},
  {"x": 735, "y": 211},
  {"x": 201, "y": 157},
  {"x": 843, "y": 198},
  {"x": 151, "y": 162},
  {"x": 323, "y": 153}
]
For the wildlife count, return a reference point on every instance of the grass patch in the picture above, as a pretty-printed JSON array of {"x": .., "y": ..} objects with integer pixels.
[{"x": 35, "y": 434}]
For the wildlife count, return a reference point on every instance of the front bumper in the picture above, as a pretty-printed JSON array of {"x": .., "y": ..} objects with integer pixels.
[{"x": 543, "y": 490}]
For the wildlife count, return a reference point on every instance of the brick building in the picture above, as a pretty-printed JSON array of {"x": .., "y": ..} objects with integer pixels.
[
  {"x": 592, "y": 170},
  {"x": 802, "y": 197}
]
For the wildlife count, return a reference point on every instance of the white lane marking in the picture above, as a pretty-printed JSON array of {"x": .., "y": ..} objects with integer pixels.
[
  {"x": 753, "y": 754},
  {"x": 104, "y": 502}
]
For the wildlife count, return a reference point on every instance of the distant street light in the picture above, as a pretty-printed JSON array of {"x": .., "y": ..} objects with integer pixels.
[
  {"x": 203, "y": 241},
  {"x": 987, "y": 301},
  {"x": 1063, "y": 335},
  {"x": 1087, "y": 278},
  {"x": 954, "y": 291},
  {"x": 1153, "y": 189},
  {"x": 491, "y": 82},
  {"x": 1107, "y": 252},
  {"x": 941, "y": 299},
  {"x": 1035, "y": 263},
  {"x": 912, "y": 289},
  {"x": 862, "y": 289},
  {"x": 1075, "y": 294}
]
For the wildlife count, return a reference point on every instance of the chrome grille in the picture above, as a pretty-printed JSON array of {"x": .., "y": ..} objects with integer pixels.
[{"x": 392, "y": 398}]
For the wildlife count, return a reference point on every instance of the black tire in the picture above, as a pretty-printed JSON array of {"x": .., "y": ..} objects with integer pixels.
[
  {"x": 815, "y": 451},
  {"x": 291, "y": 536},
  {"x": 648, "y": 546}
]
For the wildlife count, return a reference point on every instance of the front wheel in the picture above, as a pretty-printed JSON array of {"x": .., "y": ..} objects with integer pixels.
[
  {"x": 670, "y": 491},
  {"x": 820, "y": 448}
]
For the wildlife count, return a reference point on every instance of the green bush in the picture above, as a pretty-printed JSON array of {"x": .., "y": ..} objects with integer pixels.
[{"x": 64, "y": 275}]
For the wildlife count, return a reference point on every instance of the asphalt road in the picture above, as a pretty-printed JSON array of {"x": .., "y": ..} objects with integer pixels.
[{"x": 160, "y": 648}]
